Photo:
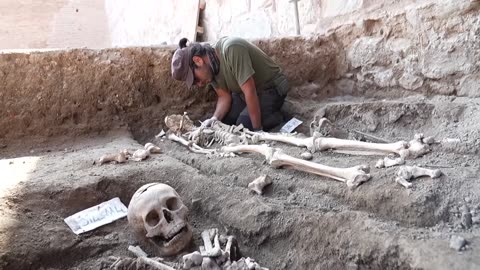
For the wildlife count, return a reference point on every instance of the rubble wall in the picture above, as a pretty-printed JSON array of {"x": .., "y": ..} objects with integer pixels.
[{"x": 429, "y": 50}]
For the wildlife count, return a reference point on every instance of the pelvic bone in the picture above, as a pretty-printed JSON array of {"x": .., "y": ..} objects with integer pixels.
[
  {"x": 179, "y": 124},
  {"x": 158, "y": 217}
]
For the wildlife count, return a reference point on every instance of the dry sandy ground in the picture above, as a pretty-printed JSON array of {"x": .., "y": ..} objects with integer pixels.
[{"x": 302, "y": 221}]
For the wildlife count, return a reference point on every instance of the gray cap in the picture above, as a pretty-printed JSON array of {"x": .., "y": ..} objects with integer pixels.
[{"x": 181, "y": 70}]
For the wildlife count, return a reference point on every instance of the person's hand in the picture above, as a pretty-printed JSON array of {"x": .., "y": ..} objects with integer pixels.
[{"x": 209, "y": 122}]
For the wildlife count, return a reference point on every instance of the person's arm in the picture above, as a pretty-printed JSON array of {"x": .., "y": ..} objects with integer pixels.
[
  {"x": 242, "y": 69},
  {"x": 253, "y": 105},
  {"x": 224, "y": 101}
]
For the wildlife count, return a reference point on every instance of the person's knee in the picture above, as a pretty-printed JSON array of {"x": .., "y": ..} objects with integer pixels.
[
  {"x": 245, "y": 121},
  {"x": 272, "y": 120}
]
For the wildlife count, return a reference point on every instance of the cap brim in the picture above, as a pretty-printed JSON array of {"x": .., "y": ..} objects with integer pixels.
[{"x": 190, "y": 78}]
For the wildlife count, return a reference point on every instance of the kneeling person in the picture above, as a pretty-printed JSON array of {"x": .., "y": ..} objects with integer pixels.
[{"x": 250, "y": 86}]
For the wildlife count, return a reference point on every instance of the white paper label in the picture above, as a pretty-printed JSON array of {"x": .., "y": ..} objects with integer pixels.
[
  {"x": 291, "y": 125},
  {"x": 96, "y": 216}
]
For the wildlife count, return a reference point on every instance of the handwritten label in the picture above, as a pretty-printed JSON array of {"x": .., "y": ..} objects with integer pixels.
[
  {"x": 291, "y": 125},
  {"x": 96, "y": 216}
]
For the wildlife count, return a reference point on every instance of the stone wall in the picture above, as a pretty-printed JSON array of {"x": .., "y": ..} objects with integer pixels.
[
  {"x": 276, "y": 18},
  {"x": 427, "y": 49},
  {"x": 94, "y": 23},
  {"x": 119, "y": 23}
]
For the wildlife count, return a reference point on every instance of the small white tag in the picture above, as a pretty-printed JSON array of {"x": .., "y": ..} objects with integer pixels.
[
  {"x": 291, "y": 125},
  {"x": 96, "y": 216}
]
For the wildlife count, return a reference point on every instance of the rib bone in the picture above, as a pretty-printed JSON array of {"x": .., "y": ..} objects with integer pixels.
[
  {"x": 352, "y": 176},
  {"x": 191, "y": 146}
]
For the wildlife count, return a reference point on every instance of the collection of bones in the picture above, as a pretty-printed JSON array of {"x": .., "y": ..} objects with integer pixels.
[
  {"x": 159, "y": 218},
  {"x": 236, "y": 139}
]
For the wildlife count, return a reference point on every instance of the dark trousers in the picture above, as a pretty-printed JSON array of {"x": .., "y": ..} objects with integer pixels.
[{"x": 270, "y": 104}]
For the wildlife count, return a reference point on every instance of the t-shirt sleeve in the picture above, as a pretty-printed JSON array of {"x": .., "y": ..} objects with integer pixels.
[{"x": 240, "y": 63}]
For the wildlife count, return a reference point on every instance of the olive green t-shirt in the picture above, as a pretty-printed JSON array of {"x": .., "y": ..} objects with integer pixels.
[{"x": 239, "y": 60}]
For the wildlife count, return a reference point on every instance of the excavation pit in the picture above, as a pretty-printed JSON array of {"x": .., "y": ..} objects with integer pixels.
[{"x": 62, "y": 110}]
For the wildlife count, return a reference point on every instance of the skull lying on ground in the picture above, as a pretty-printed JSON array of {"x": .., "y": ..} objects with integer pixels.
[{"x": 158, "y": 216}]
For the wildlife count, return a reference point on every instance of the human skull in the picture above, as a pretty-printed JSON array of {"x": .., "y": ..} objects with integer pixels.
[{"x": 157, "y": 215}]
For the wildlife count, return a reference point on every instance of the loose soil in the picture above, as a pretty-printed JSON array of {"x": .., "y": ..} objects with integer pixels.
[{"x": 302, "y": 221}]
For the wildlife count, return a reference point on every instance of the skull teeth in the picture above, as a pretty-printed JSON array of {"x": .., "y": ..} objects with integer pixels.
[{"x": 166, "y": 241}]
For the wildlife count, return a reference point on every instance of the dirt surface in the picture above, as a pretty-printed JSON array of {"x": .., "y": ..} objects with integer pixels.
[
  {"x": 389, "y": 74},
  {"x": 301, "y": 222}
]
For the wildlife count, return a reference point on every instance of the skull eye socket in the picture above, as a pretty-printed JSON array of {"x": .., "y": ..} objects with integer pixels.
[
  {"x": 173, "y": 204},
  {"x": 152, "y": 218}
]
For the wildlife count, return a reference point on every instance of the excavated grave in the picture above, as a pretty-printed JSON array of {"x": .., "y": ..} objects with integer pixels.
[
  {"x": 302, "y": 221},
  {"x": 390, "y": 75}
]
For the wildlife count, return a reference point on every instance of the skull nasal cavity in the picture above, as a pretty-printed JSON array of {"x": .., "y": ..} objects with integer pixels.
[
  {"x": 168, "y": 216},
  {"x": 152, "y": 218}
]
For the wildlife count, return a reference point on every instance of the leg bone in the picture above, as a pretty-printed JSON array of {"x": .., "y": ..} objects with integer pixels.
[
  {"x": 119, "y": 158},
  {"x": 258, "y": 184},
  {"x": 352, "y": 176},
  {"x": 416, "y": 148},
  {"x": 140, "y": 154},
  {"x": 321, "y": 143},
  {"x": 152, "y": 148},
  {"x": 389, "y": 162},
  {"x": 409, "y": 172},
  {"x": 406, "y": 173}
]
